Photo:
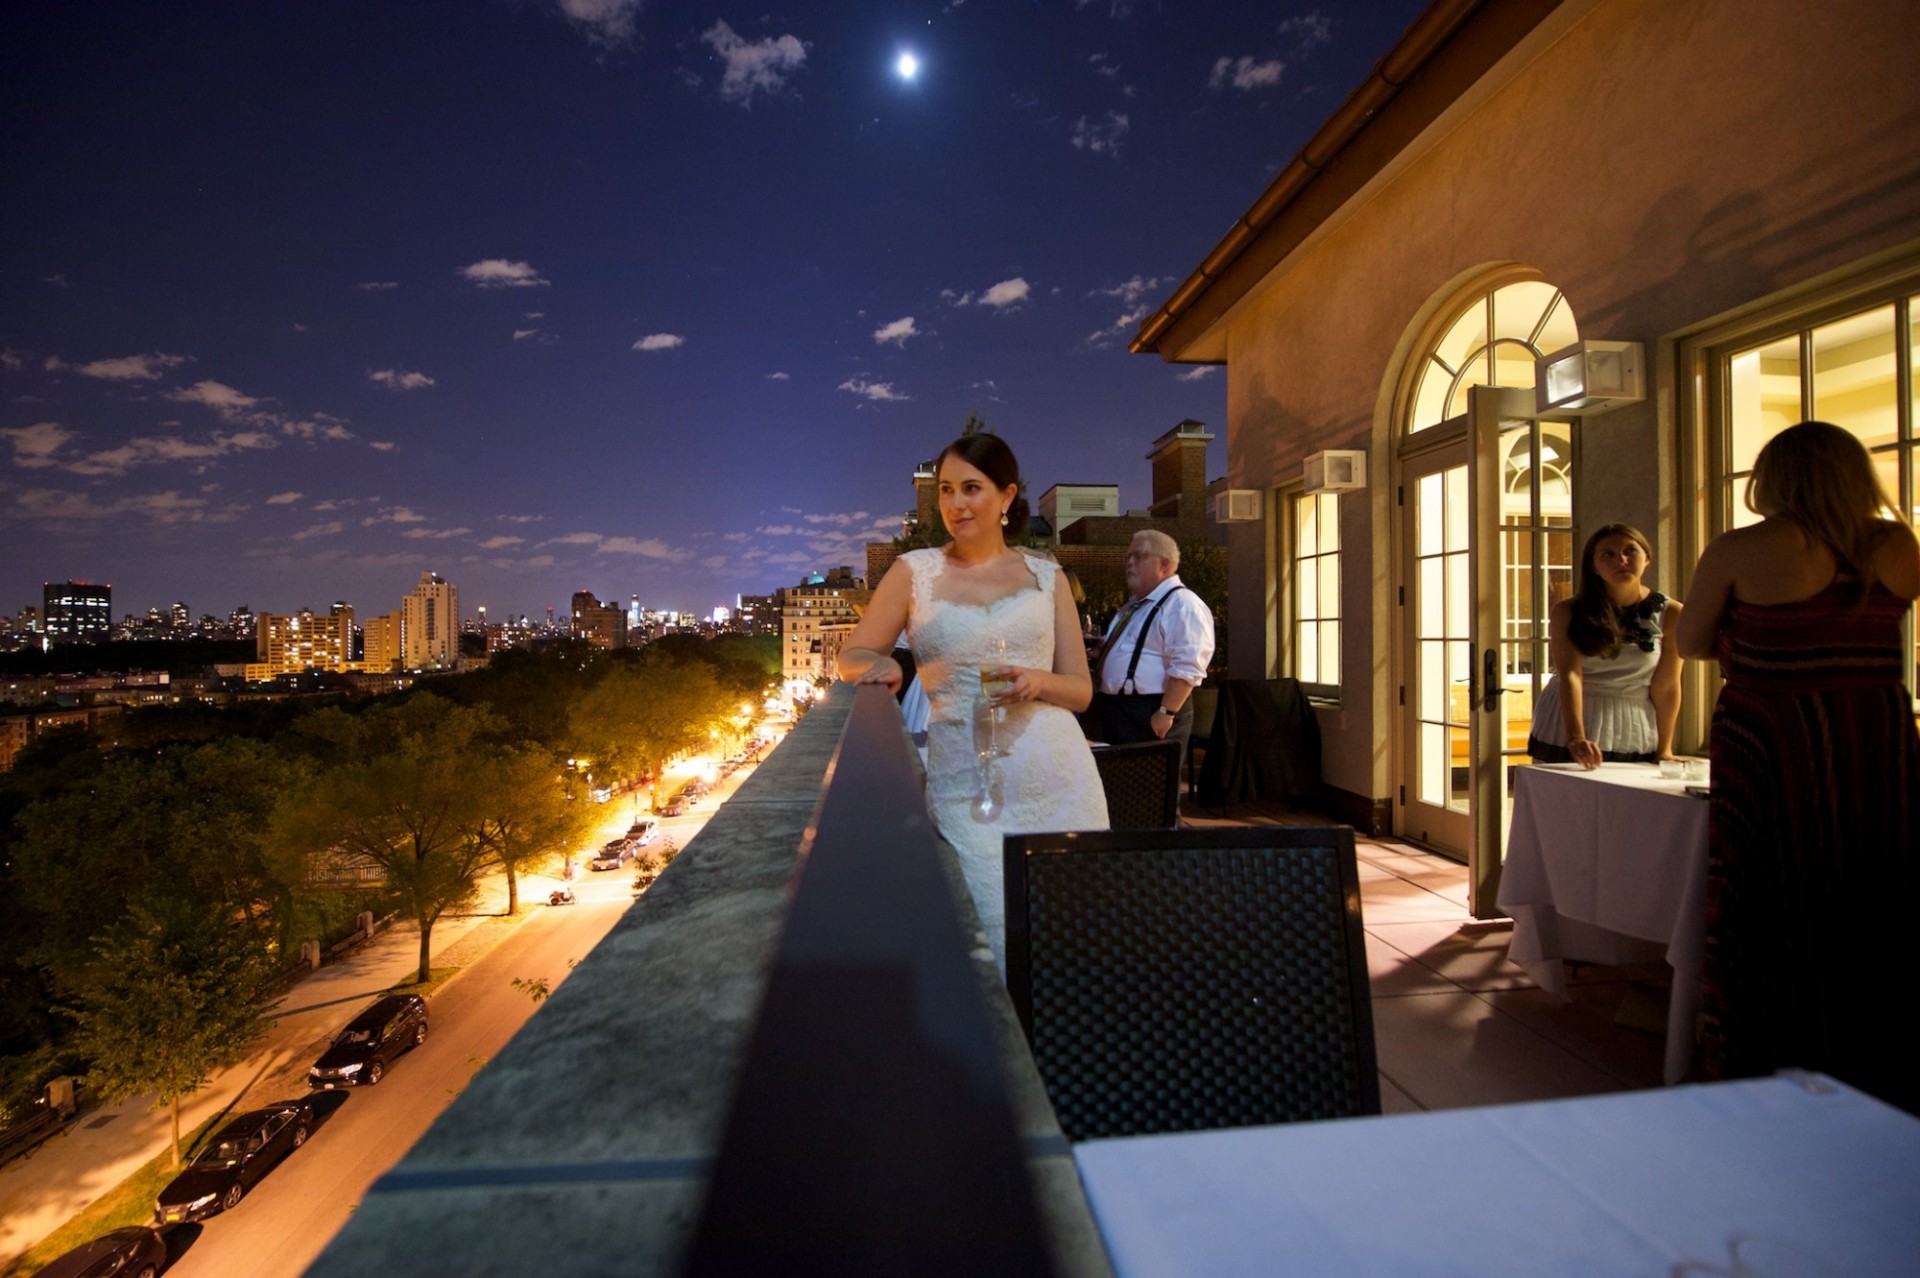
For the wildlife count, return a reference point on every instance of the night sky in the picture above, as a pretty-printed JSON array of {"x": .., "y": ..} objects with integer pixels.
[{"x": 299, "y": 300}]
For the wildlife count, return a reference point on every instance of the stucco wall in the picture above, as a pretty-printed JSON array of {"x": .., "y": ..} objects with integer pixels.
[{"x": 1662, "y": 163}]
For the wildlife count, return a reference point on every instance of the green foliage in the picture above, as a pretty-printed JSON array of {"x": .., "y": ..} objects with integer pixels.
[
  {"x": 524, "y": 810},
  {"x": 400, "y": 790},
  {"x": 1203, "y": 569},
  {"x": 177, "y": 991},
  {"x": 644, "y": 713}
]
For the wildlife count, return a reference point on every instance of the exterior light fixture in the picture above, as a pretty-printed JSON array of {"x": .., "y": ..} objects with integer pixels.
[
  {"x": 1336, "y": 470},
  {"x": 1589, "y": 377}
]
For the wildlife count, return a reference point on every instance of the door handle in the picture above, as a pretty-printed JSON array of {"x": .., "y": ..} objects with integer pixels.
[{"x": 1491, "y": 689}]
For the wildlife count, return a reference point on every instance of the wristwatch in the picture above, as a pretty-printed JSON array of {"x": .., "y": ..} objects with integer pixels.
[{"x": 1171, "y": 714}]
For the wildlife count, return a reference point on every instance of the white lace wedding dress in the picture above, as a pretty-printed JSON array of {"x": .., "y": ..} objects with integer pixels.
[{"x": 1045, "y": 780}]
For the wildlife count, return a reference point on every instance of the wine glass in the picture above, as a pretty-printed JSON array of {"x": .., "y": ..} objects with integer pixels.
[{"x": 993, "y": 683}]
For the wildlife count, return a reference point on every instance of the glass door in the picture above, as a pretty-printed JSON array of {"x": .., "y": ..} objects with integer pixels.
[{"x": 1487, "y": 520}]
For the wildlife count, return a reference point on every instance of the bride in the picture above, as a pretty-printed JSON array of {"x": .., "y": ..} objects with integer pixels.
[{"x": 975, "y": 609}]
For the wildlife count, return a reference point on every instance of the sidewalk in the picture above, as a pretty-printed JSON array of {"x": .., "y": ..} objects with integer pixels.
[{"x": 42, "y": 1190}]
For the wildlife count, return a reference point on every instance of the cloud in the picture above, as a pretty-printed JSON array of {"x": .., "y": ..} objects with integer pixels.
[
  {"x": 162, "y": 508},
  {"x": 382, "y": 445},
  {"x": 321, "y": 426},
  {"x": 779, "y": 377},
  {"x": 149, "y": 450},
  {"x": 1101, "y": 136},
  {"x": 502, "y": 543},
  {"x": 608, "y": 22},
  {"x": 498, "y": 272},
  {"x": 897, "y": 332},
  {"x": 220, "y": 397},
  {"x": 436, "y": 534},
  {"x": 1246, "y": 74},
  {"x": 1130, "y": 291},
  {"x": 660, "y": 342},
  {"x": 319, "y": 530},
  {"x": 395, "y": 380},
  {"x": 377, "y": 286},
  {"x": 37, "y": 445},
  {"x": 762, "y": 66},
  {"x": 127, "y": 368},
  {"x": 11, "y": 360},
  {"x": 521, "y": 519},
  {"x": 395, "y": 515},
  {"x": 1197, "y": 374},
  {"x": 1104, "y": 65},
  {"x": 842, "y": 520},
  {"x": 1121, "y": 326},
  {"x": 284, "y": 499},
  {"x": 522, "y": 334},
  {"x": 651, "y": 548},
  {"x": 1309, "y": 30},
  {"x": 1006, "y": 293},
  {"x": 576, "y": 539},
  {"x": 871, "y": 390}
]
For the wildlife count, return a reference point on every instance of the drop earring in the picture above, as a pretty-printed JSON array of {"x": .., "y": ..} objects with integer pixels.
[{"x": 1003, "y": 519}]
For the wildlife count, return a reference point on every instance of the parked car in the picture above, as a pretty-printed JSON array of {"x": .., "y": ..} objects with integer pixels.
[
  {"x": 612, "y": 856},
  {"x": 137, "y": 1251},
  {"x": 643, "y": 831},
  {"x": 676, "y": 806},
  {"x": 362, "y": 1051},
  {"x": 234, "y": 1161}
]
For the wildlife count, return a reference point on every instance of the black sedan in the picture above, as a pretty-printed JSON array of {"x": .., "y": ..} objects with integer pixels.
[
  {"x": 234, "y": 1161},
  {"x": 135, "y": 1252}
]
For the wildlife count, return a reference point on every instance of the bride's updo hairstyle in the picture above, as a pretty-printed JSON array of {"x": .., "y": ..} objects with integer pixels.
[{"x": 989, "y": 454}]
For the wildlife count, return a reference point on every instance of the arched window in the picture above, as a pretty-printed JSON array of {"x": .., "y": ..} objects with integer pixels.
[{"x": 1492, "y": 341}]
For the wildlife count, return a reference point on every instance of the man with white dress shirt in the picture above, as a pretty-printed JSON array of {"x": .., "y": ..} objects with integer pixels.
[{"x": 1155, "y": 653}]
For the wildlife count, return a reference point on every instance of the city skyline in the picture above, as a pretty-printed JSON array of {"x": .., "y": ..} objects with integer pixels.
[{"x": 543, "y": 295}]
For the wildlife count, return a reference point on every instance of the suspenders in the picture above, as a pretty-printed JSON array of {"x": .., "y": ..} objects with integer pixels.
[{"x": 1139, "y": 643}]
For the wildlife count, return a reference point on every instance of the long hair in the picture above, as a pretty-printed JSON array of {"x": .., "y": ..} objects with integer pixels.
[
  {"x": 1596, "y": 627},
  {"x": 989, "y": 454},
  {"x": 1819, "y": 478}
]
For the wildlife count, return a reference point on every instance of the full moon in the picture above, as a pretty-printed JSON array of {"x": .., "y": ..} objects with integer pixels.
[{"x": 907, "y": 66}]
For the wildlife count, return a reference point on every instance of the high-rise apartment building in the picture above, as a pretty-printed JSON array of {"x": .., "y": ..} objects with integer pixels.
[
  {"x": 76, "y": 611},
  {"x": 301, "y": 641},
  {"x": 815, "y": 617},
  {"x": 380, "y": 643},
  {"x": 602, "y": 625},
  {"x": 430, "y": 624}
]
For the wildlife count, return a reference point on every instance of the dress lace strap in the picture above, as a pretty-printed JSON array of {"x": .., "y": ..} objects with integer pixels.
[{"x": 1043, "y": 570}]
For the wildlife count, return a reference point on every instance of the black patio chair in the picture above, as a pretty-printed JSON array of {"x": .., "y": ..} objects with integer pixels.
[
  {"x": 1142, "y": 782},
  {"x": 1186, "y": 980}
]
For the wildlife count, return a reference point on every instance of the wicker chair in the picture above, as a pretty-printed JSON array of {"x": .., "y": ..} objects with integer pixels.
[
  {"x": 1142, "y": 782},
  {"x": 1192, "y": 979}
]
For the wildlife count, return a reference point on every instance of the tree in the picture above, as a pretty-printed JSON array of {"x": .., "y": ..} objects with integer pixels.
[
  {"x": 1203, "y": 570},
  {"x": 400, "y": 789},
  {"x": 178, "y": 990},
  {"x": 643, "y": 714},
  {"x": 525, "y": 811}
]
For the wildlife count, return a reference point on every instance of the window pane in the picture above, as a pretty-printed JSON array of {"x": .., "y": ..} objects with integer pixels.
[
  {"x": 1765, "y": 398},
  {"x": 1307, "y": 653},
  {"x": 1430, "y": 402},
  {"x": 1513, "y": 364},
  {"x": 1306, "y": 533},
  {"x": 1329, "y": 521},
  {"x": 1886, "y": 468},
  {"x": 1433, "y": 680},
  {"x": 1329, "y": 652},
  {"x": 1306, "y": 590},
  {"x": 1560, "y": 331},
  {"x": 1468, "y": 334},
  {"x": 1431, "y": 512},
  {"x": 1518, "y": 309},
  {"x": 1433, "y": 763},
  {"x": 1854, "y": 373},
  {"x": 1329, "y": 591},
  {"x": 1459, "y": 595},
  {"x": 1456, "y": 508},
  {"x": 1433, "y": 598}
]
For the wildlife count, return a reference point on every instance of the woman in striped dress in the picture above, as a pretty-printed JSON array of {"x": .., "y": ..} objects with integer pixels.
[{"x": 1816, "y": 768}]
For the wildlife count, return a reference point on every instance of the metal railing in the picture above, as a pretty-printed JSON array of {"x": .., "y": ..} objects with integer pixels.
[{"x": 872, "y": 1129}]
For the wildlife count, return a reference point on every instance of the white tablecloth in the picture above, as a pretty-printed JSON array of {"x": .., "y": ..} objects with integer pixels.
[
  {"x": 1720, "y": 1179},
  {"x": 1610, "y": 866}
]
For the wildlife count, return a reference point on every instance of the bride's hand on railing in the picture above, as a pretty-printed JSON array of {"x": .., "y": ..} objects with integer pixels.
[{"x": 885, "y": 671}]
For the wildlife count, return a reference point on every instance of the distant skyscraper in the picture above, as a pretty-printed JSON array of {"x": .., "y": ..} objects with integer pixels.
[
  {"x": 430, "y": 623},
  {"x": 602, "y": 625},
  {"x": 815, "y": 617},
  {"x": 75, "y": 611}
]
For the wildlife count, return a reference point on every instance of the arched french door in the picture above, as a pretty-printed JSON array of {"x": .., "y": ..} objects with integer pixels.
[{"x": 1485, "y": 518}]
